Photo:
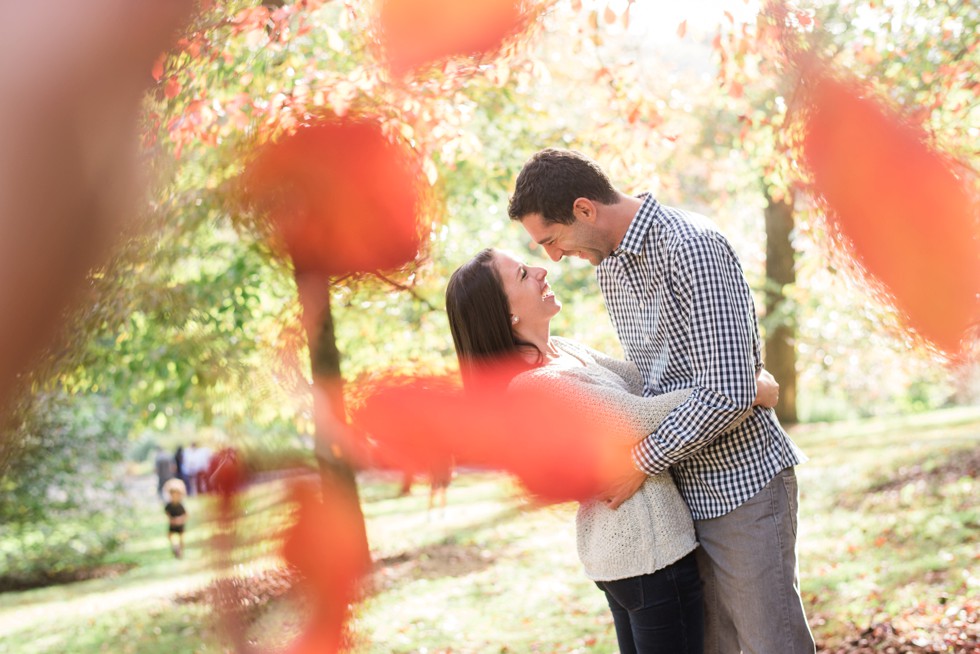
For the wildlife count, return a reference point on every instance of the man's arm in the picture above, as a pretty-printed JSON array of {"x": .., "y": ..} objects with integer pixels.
[
  {"x": 626, "y": 486},
  {"x": 717, "y": 316}
]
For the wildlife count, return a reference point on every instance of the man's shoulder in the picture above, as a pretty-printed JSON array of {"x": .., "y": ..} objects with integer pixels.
[
  {"x": 682, "y": 225},
  {"x": 691, "y": 236}
]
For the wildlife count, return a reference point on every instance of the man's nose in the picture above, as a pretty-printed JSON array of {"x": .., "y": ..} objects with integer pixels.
[{"x": 554, "y": 253}]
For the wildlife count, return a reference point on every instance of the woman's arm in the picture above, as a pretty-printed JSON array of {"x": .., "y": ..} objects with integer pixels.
[{"x": 625, "y": 415}]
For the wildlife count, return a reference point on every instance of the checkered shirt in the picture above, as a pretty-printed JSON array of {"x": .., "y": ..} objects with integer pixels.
[{"x": 685, "y": 316}]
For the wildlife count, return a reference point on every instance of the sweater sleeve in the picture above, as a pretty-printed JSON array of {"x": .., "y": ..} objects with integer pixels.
[
  {"x": 631, "y": 417},
  {"x": 627, "y": 370}
]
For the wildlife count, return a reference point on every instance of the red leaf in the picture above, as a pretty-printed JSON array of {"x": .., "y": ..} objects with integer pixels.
[
  {"x": 342, "y": 195},
  {"x": 558, "y": 452},
  {"x": 418, "y": 32},
  {"x": 327, "y": 546},
  {"x": 909, "y": 219},
  {"x": 172, "y": 88},
  {"x": 157, "y": 70}
]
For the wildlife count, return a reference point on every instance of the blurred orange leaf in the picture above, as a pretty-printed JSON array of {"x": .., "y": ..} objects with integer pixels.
[
  {"x": 557, "y": 451},
  {"x": 326, "y": 544},
  {"x": 172, "y": 88},
  {"x": 157, "y": 70},
  {"x": 909, "y": 219},
  {"x": 343, "y": 196},
  {"x": 418, "y": 32},
  {"x": 682, "y": 29}
]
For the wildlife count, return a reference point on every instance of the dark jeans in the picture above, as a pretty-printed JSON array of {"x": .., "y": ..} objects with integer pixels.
[{"x": 659, "y": 613}]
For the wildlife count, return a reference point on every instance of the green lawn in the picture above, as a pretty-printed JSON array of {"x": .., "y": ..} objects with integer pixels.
[{"x": 888, "y": 533}]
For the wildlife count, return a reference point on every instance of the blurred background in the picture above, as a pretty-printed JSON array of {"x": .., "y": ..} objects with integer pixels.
[{"x": 191, "y": 330}]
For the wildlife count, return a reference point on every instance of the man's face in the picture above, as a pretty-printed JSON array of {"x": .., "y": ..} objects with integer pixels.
[{"x": 580, "y": 239}]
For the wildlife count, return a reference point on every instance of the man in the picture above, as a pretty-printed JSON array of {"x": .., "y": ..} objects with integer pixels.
[
  {"x": 685, "y": 316},
  {"x": 163, "y": 463},
  {"x": 191, "y": 467}
]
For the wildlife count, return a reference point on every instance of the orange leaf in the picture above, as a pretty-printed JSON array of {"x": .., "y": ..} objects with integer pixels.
[
  {"x": 342, "y": 195},
  {"x": 682, "y": 29},
  {"x": 328, "y": 547},
  {"x": 609, "y": 15},
  {"x": 157, "y": 70},
  {"x": 419, "y": 32},
  {"x": 558, "y": 452},
  {"x": 172, "y": 88},
  {"x": 909, "y": 219}
]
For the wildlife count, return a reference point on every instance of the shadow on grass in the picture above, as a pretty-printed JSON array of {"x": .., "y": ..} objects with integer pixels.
[{"x": 454, "y": 556}]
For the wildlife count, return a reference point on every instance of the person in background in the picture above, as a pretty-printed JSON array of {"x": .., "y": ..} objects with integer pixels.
[
  {"x": 440, "y": 475},
  {"x": 180, "y": 465},
  {"x": 191, "y": 468},
  {"x": 176, "y": 515},
  {"x": 165, "y": 468},
  {"x": 201, "y": 465}
]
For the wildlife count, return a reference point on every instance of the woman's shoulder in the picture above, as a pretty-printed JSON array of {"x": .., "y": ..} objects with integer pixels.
[{"x": 579, "y": 350}]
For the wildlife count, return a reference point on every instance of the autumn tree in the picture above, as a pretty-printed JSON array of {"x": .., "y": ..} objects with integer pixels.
[{"x": 914, "y": 66}]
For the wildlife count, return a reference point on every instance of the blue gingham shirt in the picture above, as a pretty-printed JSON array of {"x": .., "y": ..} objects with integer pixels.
[{"x": 685, "y": 316}]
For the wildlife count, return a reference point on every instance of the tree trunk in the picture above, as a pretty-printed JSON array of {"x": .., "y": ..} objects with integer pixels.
[
  {"x": 329, "y": 412},
  {"x": 780, "y": 322}
]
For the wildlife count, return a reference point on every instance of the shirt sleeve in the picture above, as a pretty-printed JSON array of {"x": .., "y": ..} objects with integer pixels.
[{"x": 717, "y": 336}]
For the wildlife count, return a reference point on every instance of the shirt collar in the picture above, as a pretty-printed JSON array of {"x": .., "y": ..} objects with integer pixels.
[{"x": 632, "y": 242}]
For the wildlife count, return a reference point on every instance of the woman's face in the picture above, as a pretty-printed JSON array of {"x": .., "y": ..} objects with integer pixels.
[{"x": 528, "y": 293}]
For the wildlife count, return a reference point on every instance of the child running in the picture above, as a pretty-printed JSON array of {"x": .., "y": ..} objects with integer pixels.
[{"x": 177, "y": 514}]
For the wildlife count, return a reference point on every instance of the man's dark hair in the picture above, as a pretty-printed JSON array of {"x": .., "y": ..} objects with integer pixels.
[{"x": 552, "y": 180}]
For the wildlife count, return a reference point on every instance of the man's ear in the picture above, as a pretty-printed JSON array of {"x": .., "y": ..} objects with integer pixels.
[{"x": 584, "y": 209}]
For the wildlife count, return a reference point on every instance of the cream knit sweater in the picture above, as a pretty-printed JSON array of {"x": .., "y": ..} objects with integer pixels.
[{"x": 653, "y": 528}]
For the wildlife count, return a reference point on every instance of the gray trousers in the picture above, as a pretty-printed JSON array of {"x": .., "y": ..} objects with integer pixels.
[{"x": 748, "y": 567}]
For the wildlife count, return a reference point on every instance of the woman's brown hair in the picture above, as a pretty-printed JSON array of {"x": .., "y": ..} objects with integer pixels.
[{"x": 479, "y": 317}]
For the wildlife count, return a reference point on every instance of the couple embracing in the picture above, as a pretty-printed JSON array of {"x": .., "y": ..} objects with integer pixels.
[{"x": 695, "y": 549}]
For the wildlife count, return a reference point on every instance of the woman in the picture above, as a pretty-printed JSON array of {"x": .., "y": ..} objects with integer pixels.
[{"x": 642, "y": 554}]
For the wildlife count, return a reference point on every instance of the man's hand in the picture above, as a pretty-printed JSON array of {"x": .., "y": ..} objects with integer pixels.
[
  {"x": 767, "y": 389},
  {"x": 623, "y": 488}
]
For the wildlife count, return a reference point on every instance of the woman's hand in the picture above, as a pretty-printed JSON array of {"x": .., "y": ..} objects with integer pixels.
[{"x": 766, "y": 389}]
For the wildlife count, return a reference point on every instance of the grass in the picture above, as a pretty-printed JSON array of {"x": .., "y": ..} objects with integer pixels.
[{"x": 888, "y": 528}]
